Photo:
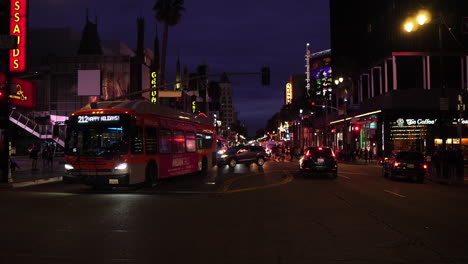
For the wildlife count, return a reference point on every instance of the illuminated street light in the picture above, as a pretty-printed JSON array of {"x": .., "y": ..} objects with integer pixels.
[
  {"x": 423, "y": 17},
  {"x": 409, "y": 26}
]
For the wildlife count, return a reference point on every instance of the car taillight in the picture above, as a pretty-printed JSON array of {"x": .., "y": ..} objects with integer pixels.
[
  {"x": 307, "y": 155},
  {"x": 396, "y": 164},
  {"x": 424, "y": 166}
]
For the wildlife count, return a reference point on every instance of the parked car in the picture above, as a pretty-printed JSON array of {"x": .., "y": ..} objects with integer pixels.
[
  {"x": 319, "y": 160},
  {"x": 242, "y": 154},
  {"x": 405, "y": 164}
]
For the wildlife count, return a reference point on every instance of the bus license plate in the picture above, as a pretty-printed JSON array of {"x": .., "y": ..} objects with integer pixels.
[{"x": 113, "y": 181}]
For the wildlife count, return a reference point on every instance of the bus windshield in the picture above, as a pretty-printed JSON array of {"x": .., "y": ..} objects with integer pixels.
[{"x": 96, "y": 140}]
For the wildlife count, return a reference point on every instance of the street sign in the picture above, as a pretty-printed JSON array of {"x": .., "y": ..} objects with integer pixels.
[{"x": 8, "y": 42}]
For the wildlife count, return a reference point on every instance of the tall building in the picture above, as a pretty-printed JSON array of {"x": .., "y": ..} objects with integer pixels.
[
  {"x": 406, "y": 85},
  {"x": 227, "y": 114}
]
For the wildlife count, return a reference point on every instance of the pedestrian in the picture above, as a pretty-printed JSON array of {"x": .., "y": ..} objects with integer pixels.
[
  {"x": 14, "y": 165},
  {"x": 291, "y": 153},
  {"x": 50, "y": 156},
  {"x": 44, "y": 156},
  {"x": 33, "y": 153}
]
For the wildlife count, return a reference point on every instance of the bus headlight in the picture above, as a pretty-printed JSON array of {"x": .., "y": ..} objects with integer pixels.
[
  {"x": 68, "y": 167},
  {"x": 121, "y": 166},
  {"x": 224, "y": 156}
]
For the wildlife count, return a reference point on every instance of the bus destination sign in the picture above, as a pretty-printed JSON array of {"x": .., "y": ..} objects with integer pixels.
[{"x": 86, "y": 119}]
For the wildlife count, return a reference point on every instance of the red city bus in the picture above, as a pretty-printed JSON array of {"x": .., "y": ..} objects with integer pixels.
[{"x": 122, "y": 143}]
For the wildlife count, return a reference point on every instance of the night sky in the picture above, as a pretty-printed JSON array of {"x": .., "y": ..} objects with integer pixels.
[{"x": 230, "y": 36}]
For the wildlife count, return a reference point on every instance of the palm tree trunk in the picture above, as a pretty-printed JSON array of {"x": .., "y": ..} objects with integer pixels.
[{"x": 163, "y": 55}]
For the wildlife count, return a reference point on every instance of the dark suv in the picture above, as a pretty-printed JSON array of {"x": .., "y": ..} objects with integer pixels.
[
  {"x": 319, "y": 160},
  {"x": 242, "y": 154},
  {"x": 405, "y": 164}
]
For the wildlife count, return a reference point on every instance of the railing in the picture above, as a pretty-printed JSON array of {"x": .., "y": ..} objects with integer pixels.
[{"x": 38, "y": 130}]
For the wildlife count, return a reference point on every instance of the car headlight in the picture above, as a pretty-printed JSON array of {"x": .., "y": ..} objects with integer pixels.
[
  {"x": 224, "y": 156},
  {"x": 68, "y": 167},
  {"x": 121, "y": 166}
]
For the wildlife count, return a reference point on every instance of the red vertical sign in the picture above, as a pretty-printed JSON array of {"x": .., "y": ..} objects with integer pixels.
[{"x": 18, "y": 28}]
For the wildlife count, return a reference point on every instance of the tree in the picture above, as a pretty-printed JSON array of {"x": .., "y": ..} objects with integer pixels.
[{"x": 169, "y": 13}]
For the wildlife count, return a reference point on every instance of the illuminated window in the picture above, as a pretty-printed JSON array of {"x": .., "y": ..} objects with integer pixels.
[
  {"x": 178, "y": 145},
  {"x": 190, "y": 142},
  {"x": 165, "y": 138}
]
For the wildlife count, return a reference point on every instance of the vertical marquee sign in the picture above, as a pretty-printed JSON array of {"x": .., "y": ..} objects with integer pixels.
[
  {"x": 154, "y": 84},
  {"x": 18, "y": 28},
  {"x": 289, "y": 93}
]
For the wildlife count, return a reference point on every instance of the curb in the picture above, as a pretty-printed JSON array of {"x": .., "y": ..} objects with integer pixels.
[{"x": 35, "y": 182}]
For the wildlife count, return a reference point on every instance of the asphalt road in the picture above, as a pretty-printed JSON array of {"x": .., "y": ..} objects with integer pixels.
[{"x": 241, "y": 215}]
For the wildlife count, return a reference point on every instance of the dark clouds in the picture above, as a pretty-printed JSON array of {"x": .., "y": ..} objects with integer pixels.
[{"x": 231, "y": 36}]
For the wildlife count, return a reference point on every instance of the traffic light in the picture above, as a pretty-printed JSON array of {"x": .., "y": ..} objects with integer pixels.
[
  {"x": 266, "y": 75},
  {"x": 356, "y": 129}
]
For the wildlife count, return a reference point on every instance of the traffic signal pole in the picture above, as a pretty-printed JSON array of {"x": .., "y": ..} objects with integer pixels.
[
  {"x": 4, "y": 121},
  {"x": 5, "y": 94}
]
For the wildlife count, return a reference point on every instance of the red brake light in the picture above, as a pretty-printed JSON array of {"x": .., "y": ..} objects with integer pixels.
[
  {"x": 425, "y": 166},
  {"x": 396, "y": 164},
  {"x": 320, "y": 148},
  {"x": 307, "y": 154}
]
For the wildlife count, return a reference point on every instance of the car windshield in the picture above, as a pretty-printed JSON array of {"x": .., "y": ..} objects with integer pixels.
[{"x": 410, "y": 156}]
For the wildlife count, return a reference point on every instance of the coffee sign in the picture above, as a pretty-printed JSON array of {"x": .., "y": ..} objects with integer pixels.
[{"x": 411, "y": 122}]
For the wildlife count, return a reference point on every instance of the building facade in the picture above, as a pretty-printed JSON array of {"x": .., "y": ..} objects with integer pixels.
[{"x": 407, "y": 90}]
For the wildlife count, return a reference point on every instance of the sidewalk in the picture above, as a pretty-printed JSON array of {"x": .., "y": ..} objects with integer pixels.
[{"x": 25, "y": 176}]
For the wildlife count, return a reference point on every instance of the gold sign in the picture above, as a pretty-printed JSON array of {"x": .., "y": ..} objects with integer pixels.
[
  {"x": 154, "y": 84},
  {"x": 289, "y": 93}
]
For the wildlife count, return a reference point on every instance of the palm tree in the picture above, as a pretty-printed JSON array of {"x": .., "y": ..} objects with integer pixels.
[{"x": 168, "y": 12}]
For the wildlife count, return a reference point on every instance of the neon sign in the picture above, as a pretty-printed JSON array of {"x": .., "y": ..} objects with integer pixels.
[
  {"x": 18, "y": 28},
  {"x": 24, "y": 93},
  {"x": 289, "y": 93},
  {"x": 154, "y": 84}
]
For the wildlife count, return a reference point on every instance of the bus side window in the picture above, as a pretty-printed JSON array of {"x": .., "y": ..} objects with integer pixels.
[
  {"x": 137, "y": 140},
  {"x": 200, "y": 139},
  {"x": 190, "y": 142},
  {"x": 208, "y": 141},
  {"x": 151, "y": 141},
  {"x": 179, "y": 141},
  {"x": 165, "y": 139}
]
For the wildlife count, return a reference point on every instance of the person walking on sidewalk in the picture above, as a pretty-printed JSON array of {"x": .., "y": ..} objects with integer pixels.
[
  {"x": 13, "y": 165},
  {"x": 33, "y": 153},
  {"x": 50, "y": 156},
  {"x": 44, "y": 155}
]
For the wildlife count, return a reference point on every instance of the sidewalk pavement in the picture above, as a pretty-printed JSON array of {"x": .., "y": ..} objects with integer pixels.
[{"x": 26, "y": 176}]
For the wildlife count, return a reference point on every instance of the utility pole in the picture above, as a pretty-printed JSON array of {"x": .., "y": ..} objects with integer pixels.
[{"x": 5, "y": 46}]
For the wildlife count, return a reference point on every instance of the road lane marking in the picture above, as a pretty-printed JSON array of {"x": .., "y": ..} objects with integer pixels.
[
  {"x": 289, "y": 178},
  {"x": 394, "y": 193},
  {"x": 349, "y": 172},
  {"x": 341, "y": 176}
]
